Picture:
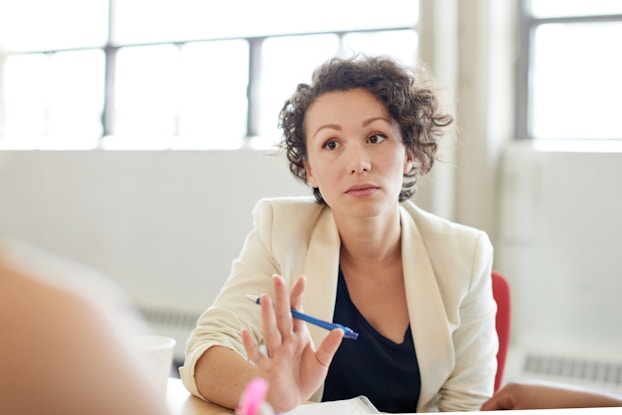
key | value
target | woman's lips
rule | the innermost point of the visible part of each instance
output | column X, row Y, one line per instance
column 362, row 190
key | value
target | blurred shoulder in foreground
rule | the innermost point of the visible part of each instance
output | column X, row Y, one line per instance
column 65, row 340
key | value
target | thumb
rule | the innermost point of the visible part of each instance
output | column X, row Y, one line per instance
column 328, row 347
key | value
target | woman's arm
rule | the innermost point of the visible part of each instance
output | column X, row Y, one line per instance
column 545, row 396
column 221, row 375
column 475, row 338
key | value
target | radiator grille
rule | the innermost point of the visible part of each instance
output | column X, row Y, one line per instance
column 170, row 322
column 170, row 318
column 577, row 369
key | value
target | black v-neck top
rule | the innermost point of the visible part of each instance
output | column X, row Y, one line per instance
column 374, row 366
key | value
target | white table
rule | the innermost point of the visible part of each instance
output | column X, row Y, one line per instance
column 181, row 402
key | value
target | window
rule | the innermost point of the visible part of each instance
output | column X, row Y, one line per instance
column 569, row 77
column 147, row 74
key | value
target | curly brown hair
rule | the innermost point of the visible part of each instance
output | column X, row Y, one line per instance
column 403, row 91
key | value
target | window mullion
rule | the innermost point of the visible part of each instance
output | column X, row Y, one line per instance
column 522, row 72
column 254, row 85
column 109, row 77
column 109, row 85
column 177, row 116
column 47, row 94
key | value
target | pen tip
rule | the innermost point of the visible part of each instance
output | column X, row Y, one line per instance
column 252, row 297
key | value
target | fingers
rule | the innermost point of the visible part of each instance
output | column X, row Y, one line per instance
column 271, row 332
column 489, row 405
column 279, row 327
column 295, row 299
column 282, row 307
column 252, row 349
column 500, row 401
column 277, row 321
column 328, row 348
column 298, row 289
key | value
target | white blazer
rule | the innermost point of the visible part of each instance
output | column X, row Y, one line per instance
column 447, row 270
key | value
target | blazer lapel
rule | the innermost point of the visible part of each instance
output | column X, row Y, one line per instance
column 426, row 309
column 322, row 265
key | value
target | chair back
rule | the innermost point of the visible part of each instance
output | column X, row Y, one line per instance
column 501, row 293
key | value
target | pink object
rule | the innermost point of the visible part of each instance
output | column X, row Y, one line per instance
column 501, row 292
column 252, row 397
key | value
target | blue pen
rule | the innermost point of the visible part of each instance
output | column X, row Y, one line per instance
column 348, row 333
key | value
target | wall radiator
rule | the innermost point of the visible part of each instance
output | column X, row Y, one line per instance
column 602, row 375
column 170, row 322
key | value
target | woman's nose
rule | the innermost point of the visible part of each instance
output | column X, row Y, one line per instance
column 359, row 161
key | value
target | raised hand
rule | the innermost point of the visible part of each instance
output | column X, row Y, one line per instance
column 293, row 367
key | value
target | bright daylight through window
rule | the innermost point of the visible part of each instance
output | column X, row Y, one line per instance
column 571, row 69
column 143, row 74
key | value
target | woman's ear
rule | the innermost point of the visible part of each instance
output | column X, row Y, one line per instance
column 310, row 179
column 409, row 161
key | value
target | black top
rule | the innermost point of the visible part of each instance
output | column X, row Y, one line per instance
column 374, row 366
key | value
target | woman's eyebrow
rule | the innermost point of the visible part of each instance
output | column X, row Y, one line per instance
column 338, row 127
column 370, row 120
column 330, row 126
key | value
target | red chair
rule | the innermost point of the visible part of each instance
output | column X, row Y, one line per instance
column 501, row 293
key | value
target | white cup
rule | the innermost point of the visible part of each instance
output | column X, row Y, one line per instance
column 155, row 355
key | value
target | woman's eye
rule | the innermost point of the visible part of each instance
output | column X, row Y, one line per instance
column 330, row 145
column 377, row 138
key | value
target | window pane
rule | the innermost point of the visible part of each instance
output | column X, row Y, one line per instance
column 25, row 85
column 146, row 92
column 140, row 21
column 576, row 81
column 213, row 80
column 25, row 80
column 288, row 61
column 52, row 24
column 400, row 44
column 54, row 100
column 556, row 8
column 77, row 95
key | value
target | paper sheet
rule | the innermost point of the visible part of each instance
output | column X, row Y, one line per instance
column 354, row 406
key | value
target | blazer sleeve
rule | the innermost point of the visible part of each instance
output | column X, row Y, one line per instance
column 277, row 244
column 475, row 339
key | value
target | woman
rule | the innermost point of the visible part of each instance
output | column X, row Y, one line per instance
column 414, row 286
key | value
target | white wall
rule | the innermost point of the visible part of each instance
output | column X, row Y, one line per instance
column 165, row 225
column 560, row 244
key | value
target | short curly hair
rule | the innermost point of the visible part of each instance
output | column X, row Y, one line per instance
column 403, row 91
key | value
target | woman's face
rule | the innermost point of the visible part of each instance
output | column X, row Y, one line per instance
column 355, row 153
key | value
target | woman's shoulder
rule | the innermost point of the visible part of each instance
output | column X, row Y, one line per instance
column 288, row 224
column 299, row 215
column 430, row 224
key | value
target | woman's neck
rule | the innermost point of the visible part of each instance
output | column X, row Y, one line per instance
column 370, row 240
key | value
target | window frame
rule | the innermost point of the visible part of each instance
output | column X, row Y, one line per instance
column 110, row 50
column 527, row 25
